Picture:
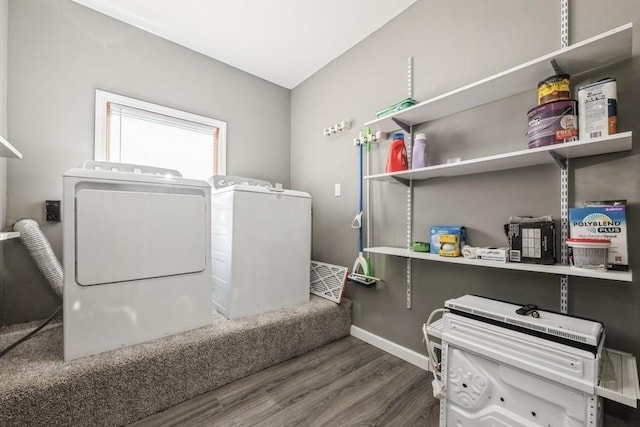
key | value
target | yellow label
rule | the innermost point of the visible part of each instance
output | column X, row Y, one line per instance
column 549, row 88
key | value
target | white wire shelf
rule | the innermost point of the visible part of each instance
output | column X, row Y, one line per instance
column 517, row 159
column 8, row 150
column 557, row 269
column 604, row 49
column 6, row 235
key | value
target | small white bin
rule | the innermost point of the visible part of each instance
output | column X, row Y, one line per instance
column 590, row 254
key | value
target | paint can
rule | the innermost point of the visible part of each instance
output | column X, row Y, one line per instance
column 552, row 123
column 598, row 109
column 554, row 88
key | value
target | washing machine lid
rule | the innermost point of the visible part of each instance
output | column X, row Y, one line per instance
column 132, row 173
column 221, row 181
column 261, row 190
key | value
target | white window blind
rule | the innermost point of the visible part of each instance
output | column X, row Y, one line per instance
column 138, row 132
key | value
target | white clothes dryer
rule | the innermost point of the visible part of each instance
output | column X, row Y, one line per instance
column 136, row 256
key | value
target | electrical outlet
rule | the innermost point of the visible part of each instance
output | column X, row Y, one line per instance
column 52, row 210
column 337, row 190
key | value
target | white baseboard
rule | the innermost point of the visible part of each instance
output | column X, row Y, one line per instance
column 415, row 358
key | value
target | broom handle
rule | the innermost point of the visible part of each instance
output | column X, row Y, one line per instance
column 360, row 243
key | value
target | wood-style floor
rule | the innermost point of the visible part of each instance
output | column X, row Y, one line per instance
column 345, row 383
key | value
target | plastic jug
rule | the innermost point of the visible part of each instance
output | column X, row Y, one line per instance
column 397, row 159
column 419, row 153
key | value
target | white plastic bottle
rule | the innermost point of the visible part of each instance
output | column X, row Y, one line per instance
column 419, row 154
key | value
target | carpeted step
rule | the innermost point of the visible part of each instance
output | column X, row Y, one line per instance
column 37, row 388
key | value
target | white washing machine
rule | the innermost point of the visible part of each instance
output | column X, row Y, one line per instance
column 261, row 247
column 136, row 256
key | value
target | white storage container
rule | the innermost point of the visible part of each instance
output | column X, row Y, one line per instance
column 590, row 254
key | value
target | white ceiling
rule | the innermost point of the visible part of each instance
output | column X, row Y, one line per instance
column 282, row 41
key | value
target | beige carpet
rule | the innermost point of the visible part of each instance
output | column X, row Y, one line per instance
column 37, row 388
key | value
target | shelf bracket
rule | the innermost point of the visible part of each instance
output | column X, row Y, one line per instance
column 564, row 294
column 560, row 160
column 405, row 127
column 564, row 173
column 409, row 239
column 556, row 67
column 403, row 181
column 409, row 184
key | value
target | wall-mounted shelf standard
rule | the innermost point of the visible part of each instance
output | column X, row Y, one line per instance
column 557, row 269
column 517, row 159
column 9, row 235
column 579, row 58
column 8, row 150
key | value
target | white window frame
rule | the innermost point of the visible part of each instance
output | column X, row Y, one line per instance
column 103, row 98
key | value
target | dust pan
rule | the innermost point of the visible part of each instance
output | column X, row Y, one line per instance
column 327, row 280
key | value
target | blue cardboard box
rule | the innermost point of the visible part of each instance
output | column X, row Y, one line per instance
column 437, row 230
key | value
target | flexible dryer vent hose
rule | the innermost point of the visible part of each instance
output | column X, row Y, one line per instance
column 40, row 250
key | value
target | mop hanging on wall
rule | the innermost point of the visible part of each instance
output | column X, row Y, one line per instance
column 361, row 272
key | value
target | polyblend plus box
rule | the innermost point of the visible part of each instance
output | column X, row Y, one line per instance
column 603, row 220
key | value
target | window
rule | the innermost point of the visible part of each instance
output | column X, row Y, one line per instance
column 133, row 131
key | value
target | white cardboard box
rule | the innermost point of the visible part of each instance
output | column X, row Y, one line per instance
column 493, row 254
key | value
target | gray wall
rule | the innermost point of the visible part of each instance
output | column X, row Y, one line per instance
column 4, row 9
column 454, row 43
column 59, row 53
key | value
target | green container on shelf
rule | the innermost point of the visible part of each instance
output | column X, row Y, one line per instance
column 420, row 246
column 405, row 103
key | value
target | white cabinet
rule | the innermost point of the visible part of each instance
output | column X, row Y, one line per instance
column 580, row 58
